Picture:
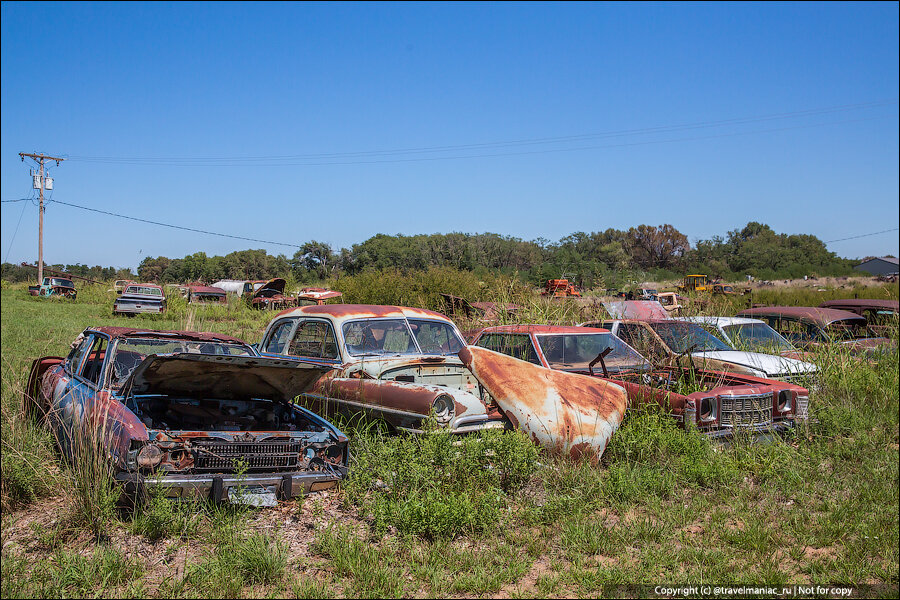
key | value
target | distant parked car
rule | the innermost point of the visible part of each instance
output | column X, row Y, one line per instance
column 140, row 298
column 201, row 294
column 718, row 404
column 808, row 327
column 54, row 286
column 880, row 314
column 120, row 285
column 267, row 294
column 196, row 415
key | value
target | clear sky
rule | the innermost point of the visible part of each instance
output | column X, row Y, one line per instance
column 334, row 122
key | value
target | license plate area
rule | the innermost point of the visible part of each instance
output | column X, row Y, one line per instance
column 261, row 496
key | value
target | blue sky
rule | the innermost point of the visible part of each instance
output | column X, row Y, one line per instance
column 334, row 122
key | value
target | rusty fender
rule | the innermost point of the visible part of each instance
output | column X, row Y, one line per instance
column 395, row 395
column 567, row 413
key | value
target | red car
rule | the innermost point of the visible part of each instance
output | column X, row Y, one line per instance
column 718, row 404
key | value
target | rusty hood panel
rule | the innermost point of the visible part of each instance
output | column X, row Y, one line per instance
column 223, row 377
column 567, row 413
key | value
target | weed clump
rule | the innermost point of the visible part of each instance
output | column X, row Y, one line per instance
column 438, row 485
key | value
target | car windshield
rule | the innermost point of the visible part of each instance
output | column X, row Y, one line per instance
column 576, row 351
column 436, row 337
column 61, row 282
column 757, row 337
column 680, row 337
column 130, row 352
column 378, row 337
column 143, row 290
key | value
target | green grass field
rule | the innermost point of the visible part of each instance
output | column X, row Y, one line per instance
column 491, row 516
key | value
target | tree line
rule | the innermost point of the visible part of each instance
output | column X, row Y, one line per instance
column 610, row 257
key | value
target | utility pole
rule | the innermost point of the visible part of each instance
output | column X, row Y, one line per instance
column 39, row 159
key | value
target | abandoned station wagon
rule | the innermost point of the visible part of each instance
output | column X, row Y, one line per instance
column 196, row 414
column 718, row 404
column 391, row 362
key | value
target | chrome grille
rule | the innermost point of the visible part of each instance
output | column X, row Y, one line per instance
column 745, row 411
column 215, row 456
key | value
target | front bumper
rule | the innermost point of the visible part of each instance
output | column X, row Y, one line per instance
column 215, row 487
column 762, row 431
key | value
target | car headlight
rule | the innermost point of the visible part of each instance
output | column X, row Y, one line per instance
column 785, row 401
column 443, row 409
column 149, row 456
column 709, row 409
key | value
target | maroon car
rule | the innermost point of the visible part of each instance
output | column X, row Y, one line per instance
column 718, row 404
column 808, row 327
column 880, row 314
column 197, row 415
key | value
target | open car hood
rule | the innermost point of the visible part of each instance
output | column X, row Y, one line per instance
column 223, row 377
column 271, row 287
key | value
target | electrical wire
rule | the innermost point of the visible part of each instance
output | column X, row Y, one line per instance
column 862, row 236
column 22, row 214
column 279, row 159
column 225, row 235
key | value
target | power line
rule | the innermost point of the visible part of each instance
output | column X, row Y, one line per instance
column 19, row 200
column 336, row 158
column 862, row 236
column 22, row 214
column 226, row 235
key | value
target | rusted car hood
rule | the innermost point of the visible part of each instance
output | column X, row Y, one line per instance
column 272, row 286
column 223, row 377
column 567, row 413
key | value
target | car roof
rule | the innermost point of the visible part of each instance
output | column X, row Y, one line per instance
column 348, row 312
column 543, row 329
column 893, row 305
column 126, row 332
column 820, row 316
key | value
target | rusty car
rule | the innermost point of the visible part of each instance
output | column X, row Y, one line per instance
column 810, row 327
column 393, row 363
column 194, row 415
column 204, row 294
column 315, row 295
column 718, row 404
column 139, row 298
column 881, row 315
column 54, row 286
column 647, row 327
column 267, row 294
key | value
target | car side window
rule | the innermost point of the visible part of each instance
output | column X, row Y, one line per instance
column 73, row 361
column 314, row 339
column 279, row 337
column 642, row 340
column 515, row 345
column 93, row 366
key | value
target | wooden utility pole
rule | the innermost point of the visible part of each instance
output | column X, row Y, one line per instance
column 39, row 159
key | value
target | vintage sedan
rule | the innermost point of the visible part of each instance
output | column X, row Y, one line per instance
column 198, row 415
column 719, row 404
column 139, row 298
column 392, row 363
column 810, row 327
